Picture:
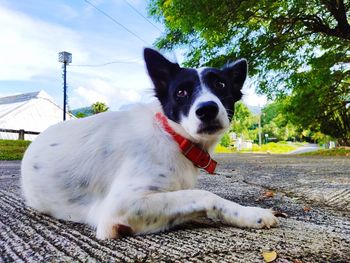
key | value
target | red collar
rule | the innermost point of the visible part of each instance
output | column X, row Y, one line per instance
column 199, row 157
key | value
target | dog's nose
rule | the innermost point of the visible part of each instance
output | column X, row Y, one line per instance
column 207, row 111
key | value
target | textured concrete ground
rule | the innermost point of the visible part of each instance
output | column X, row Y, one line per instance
column 313, row 191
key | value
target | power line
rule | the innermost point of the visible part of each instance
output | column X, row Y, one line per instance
column 105, row 64
column 140, row 14
column 116, row 22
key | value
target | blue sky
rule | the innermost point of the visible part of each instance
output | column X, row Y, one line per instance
column 32, row 32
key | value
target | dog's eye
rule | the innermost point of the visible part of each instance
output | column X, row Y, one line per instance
column 220, row 85
column 182, row 93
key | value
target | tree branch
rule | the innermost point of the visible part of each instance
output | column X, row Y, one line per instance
column 315, row 24
column 338, row 11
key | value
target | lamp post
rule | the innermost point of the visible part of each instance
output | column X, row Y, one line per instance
column 65, row 58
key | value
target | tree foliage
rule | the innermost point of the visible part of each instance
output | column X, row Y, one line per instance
column 99, row 107
column 276, row 123
column 322, row 106
column 297, row 48
column 244, row 123
column 225, row 140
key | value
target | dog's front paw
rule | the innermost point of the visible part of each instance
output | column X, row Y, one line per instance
column 256, row 217
column 251, row 217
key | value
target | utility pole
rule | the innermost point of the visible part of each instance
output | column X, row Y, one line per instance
column 260, row 129
column 65, row 58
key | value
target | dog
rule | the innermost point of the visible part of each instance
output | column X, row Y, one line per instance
column 133, row 172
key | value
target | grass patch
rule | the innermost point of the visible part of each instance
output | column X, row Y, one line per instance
column 329, row 152
column 271, row 147
column 221, row 149
column 12, row 149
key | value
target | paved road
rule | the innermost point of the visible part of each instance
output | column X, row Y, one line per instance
column 311, row 147
column 314, row 193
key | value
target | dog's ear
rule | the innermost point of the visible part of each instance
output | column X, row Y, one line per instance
column 237, row 73
column 160, row 70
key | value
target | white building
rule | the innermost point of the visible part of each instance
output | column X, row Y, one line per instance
column 34, row 111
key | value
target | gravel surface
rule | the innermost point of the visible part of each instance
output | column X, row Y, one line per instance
column 314, row 192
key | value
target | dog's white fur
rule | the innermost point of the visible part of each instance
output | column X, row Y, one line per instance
column 122, row 169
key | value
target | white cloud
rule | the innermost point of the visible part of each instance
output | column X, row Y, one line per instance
column 29, row 51
column 29, row 47
column 99, row 90
column 91, row 95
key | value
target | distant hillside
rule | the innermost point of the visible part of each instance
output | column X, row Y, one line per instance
column 85, row 110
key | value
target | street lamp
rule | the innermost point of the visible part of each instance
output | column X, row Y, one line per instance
column 266, row 138
column 65, row 58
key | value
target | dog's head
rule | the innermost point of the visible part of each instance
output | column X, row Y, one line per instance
column 200, row 100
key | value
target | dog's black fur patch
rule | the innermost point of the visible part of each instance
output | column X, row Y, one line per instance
column 226, row 83
column 177, row 88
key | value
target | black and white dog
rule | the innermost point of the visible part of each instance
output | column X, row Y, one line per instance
column 132, row 172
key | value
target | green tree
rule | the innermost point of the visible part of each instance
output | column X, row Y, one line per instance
column 276, row 122
column 271, row 111
column 295, row 47
column 99, row 107
column 322, row 106
column 225, row 140
column 244, row 123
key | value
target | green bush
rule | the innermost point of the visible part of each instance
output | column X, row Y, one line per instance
column 221, row 149
column 225, row 140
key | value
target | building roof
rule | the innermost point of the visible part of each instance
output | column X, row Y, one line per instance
column 11, row 103
column 20, row 97
column 34, row 111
